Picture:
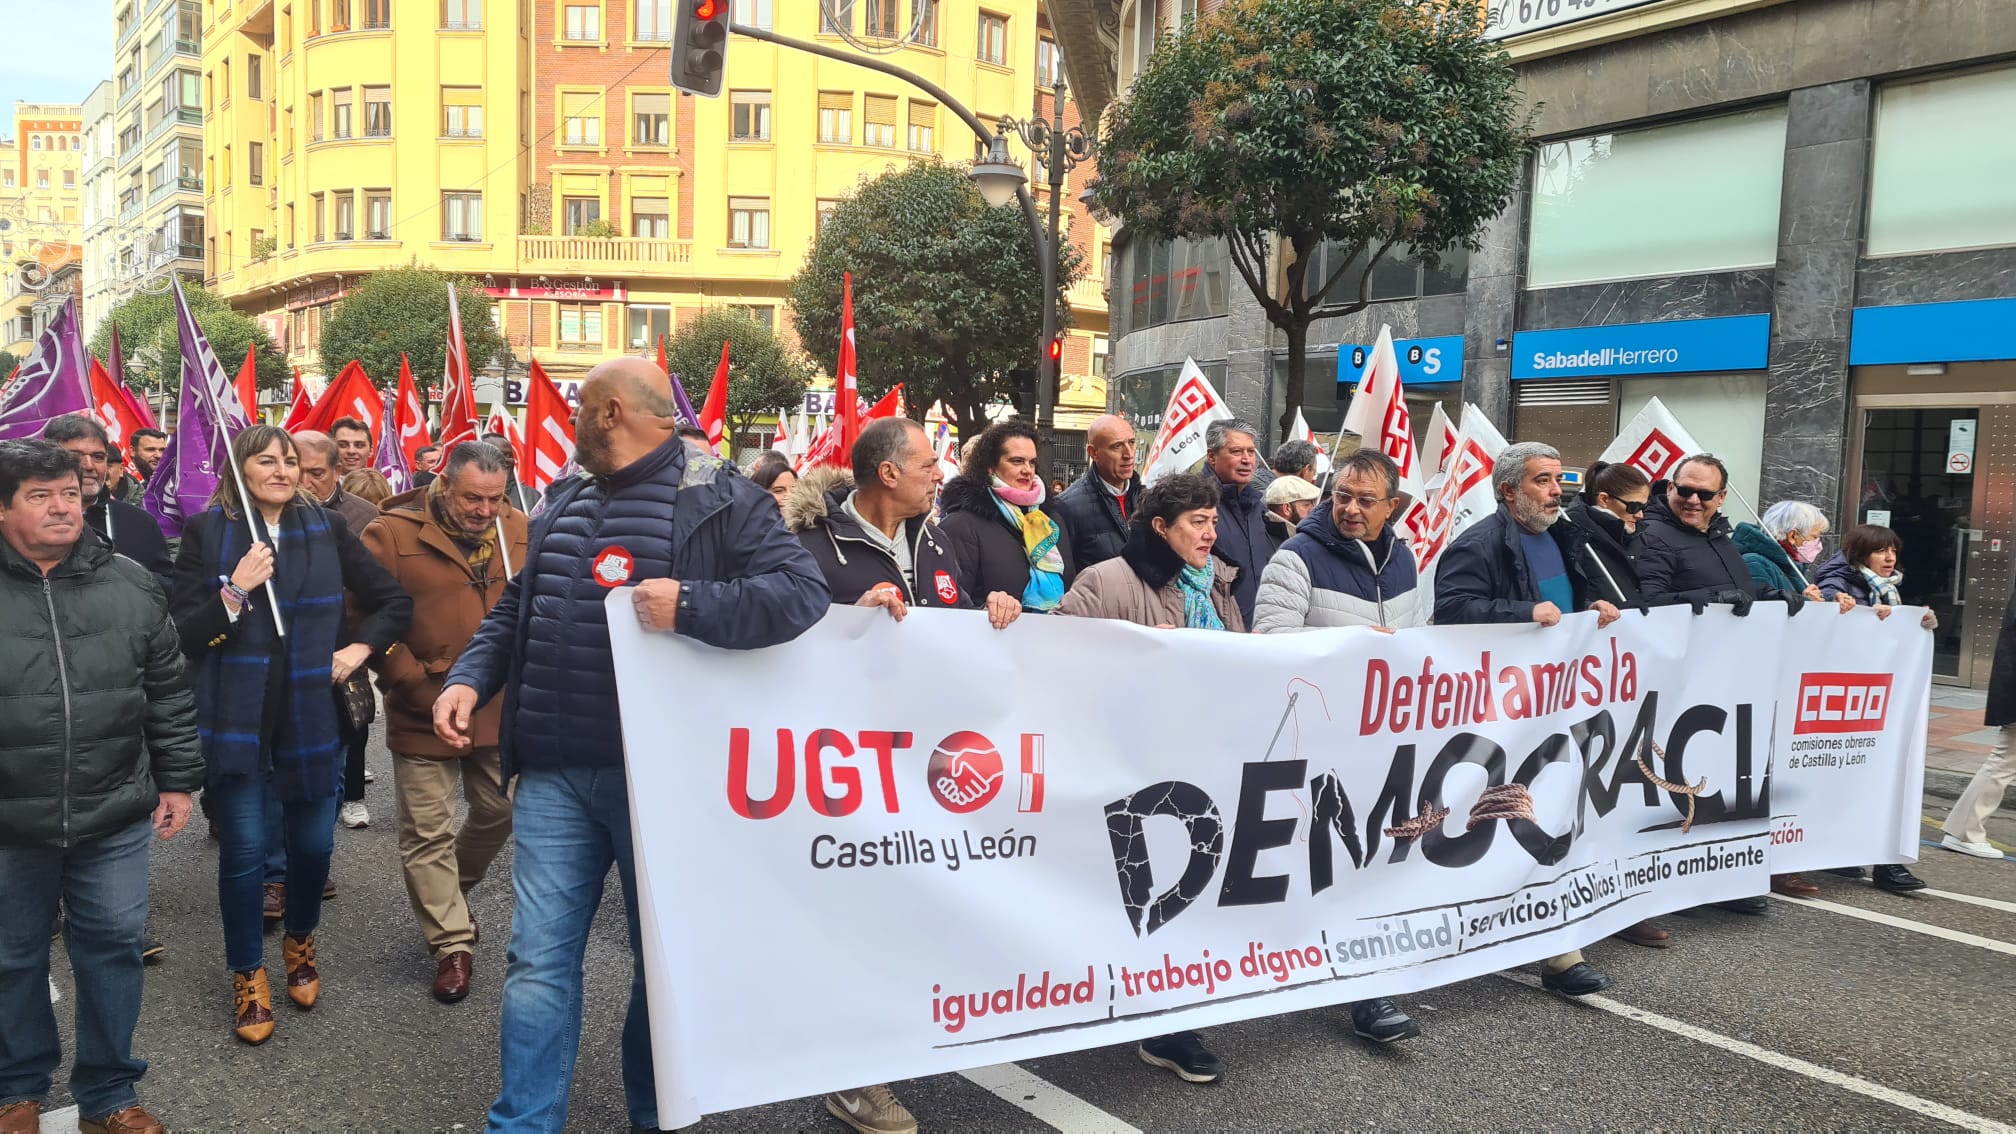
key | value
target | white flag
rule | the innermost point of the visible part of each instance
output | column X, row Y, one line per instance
column 1179, row 444
column 1300, row 431
column 1464, row 496
column 1378, row 413
column 801, row 438
column 1436, row 446
column 1653, row 443
column 948, row 451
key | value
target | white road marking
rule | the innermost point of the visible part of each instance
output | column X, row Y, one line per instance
column 60, row 1121
column 1986, row 903
column 1905, row 923
column 1047, row 1101
column 1792, row 1063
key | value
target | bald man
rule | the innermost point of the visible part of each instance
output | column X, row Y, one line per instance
column 703, row 553
column 1094, row 511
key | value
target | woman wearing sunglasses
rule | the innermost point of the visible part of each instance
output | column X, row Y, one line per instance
column 1613, row 498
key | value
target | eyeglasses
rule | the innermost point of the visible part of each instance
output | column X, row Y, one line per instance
column 1365, row 503
column 1702, row 494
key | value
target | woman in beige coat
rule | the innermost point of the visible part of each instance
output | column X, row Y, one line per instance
column 1166, row 577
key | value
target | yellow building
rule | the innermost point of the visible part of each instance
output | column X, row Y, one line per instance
column 41, row 203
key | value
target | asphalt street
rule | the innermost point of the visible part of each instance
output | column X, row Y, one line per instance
column 1860, row 1010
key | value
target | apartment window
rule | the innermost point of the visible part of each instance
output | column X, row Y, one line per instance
column 315, row 116
column 377, row 112
column 651, row 217
column 254, row 69
column 377, row 14
column 1173, row 280
column 648, row 321
column 70, row 178
column 765, row 314
column 881, row 19
column 286, row 32
column 461, row 112
column 1400, row 274
column 1593, row 197
column 339, row 15
column 836, row 117
column 1049, row 63
column 753, row 13
column 6, row 178
column 315, row 207
column 583, row 23
column 225, row 82
column 879, row 116
column 224, row 184
column 339, row 112
column 993, row 47
column 923, row 137
column 461, row 216
column 751, row 115
column 748, row 222
column 181, row 92
column 343, row 208
column 314, row 18
column 581, row 118
column 651, row 119
column 924, row 15
column 580, row 325
column 378, row 214
column 836, row 16
column 189, row 163
column 289, row 233
column 651, row 20
column 981, row 148
column 825, row 207
column 461, row 15
column 1971, row 201
column 255, row 160
column 580, row 212
column 188, row 30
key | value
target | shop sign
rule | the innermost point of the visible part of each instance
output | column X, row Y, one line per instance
column 1676, row 346
column 1506, row 18
column 1974, row 330
column 1423, row 362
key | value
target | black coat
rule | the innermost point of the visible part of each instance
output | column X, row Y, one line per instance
column 1243, row 540
column 987, row 548
column 1678, row 563
column 854, row 564
column 2002, row 675
column 1092, row 521
column 1611, row 549
column 135, row 534
column 1482, row 576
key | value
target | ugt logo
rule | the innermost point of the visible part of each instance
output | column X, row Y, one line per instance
column 964, row 772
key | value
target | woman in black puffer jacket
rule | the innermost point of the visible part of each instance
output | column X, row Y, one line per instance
column 1613, row 498
column 1011, row 554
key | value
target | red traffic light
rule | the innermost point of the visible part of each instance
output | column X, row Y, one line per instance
column 706, row 9
column 1057, row 348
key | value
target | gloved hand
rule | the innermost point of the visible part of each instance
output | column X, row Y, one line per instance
column 1794, row 602
column 1698, row 601
column 1739, row 601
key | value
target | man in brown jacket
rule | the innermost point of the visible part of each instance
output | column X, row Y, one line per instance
column 442, row 543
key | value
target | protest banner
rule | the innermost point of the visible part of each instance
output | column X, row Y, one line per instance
column 1235, row 826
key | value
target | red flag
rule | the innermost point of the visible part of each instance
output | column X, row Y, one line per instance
column 847, row 402
column 458, row 397
column 409, row 415
column 117, row 371
column 826, row 449
column 350, row 395
column 549, row 435
column 661, row 355
column 248, row 385
column 113, row 406
column 780, row 440
column 714, row 415
column 300, row 406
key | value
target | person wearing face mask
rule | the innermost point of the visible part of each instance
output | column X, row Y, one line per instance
column 1607, row 511
column 1008, row 549
column 1779, row 552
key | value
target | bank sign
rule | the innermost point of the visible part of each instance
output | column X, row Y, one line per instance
column 1505, row 18
column 1423, row 362
column 1676, row 346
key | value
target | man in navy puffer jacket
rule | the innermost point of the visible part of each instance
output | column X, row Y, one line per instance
column 706, row 556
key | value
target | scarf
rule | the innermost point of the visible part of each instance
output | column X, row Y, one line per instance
column 1045, row 590
column 475, row 547
column 1883, row 589
column 1195, row 583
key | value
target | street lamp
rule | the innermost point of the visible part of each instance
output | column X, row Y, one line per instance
column 998, row 179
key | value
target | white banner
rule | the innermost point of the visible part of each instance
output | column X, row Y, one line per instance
column 984, row 869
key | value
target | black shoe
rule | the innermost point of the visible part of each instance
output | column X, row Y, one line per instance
column 1751, row 906
column 1184, row 1054
column 1578, row 979
column 151, row 951
column 1897, row 879
column 1382, row 1021
column 1848, row 871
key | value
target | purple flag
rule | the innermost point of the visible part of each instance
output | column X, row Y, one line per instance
column 208, row 417
column 54, row 381
column 391, row 459
column 679, row 400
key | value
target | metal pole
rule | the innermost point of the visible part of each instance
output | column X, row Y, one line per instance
column 1049, row 372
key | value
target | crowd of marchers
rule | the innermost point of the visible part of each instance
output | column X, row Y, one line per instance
column 138, row 678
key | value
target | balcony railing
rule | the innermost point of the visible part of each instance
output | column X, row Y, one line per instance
column 603, row 250
column 129, row 210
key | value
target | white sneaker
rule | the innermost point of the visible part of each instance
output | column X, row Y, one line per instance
column 370, row 777
column 353, row 815
column 1978, row 850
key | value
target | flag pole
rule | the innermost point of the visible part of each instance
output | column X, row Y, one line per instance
column 252, row 518
column 504, row 548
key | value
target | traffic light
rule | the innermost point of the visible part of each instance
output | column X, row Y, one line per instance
column 700, row 46
column 1056, row 350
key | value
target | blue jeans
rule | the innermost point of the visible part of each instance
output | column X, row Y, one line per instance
column 570, row 826
column 308, row 832
column 102, row 884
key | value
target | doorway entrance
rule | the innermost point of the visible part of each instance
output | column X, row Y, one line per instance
column 1936, row 468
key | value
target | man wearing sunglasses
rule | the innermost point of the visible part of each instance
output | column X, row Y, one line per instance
column 1686, row 553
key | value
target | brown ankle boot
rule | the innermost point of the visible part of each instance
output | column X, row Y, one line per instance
column 24, row 1117
column 254, row 1006
column 132, row 1120
column 297, row 956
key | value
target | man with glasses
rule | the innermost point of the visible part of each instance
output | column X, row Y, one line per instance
column 1344, row 567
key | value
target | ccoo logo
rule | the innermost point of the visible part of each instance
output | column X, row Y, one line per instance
column 1842, row 702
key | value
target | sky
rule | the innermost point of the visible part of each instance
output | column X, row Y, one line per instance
column 52, row 52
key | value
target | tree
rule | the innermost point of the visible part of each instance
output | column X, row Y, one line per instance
column 1367, row 123
column 947, row 291
column 152, row 344
column 764, row 373
column 405, row 310
column 7, row 364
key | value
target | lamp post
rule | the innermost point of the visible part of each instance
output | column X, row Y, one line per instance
column 1060, row 150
